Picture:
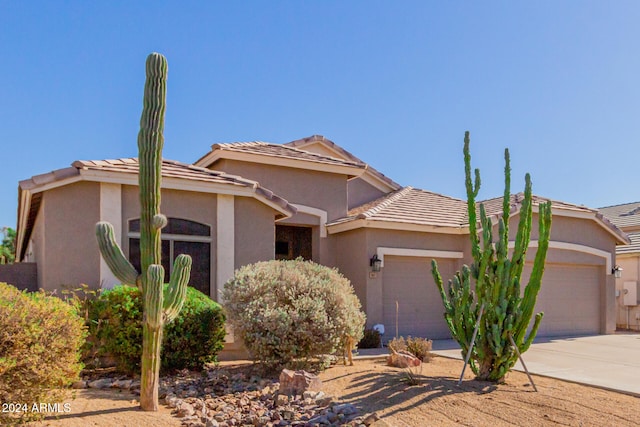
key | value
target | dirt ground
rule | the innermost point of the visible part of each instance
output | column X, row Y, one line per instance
column 436, row 400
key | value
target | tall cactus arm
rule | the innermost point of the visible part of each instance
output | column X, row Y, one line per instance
column 177, row 290
column 524, row 231
column 150, row 143
column 113, row 256
column 472, row 191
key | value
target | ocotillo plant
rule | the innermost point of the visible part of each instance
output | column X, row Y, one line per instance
column 507, row 314
column 159, row 306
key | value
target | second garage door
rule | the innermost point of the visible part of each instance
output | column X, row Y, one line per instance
column 570, row 299
column 420, row 312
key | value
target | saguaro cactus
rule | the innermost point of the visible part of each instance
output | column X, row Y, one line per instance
column 506, row 313
column 159, row 305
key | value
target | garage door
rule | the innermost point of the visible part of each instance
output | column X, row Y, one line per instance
column 408, row 281
column 569, row 298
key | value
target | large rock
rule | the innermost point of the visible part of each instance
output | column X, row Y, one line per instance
column 403, row 359
column 297, row 382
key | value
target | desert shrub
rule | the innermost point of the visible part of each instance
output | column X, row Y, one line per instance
column 288, row 311
column 419, row 347
column 194, row 338
column 40, row 340
column 370, row 339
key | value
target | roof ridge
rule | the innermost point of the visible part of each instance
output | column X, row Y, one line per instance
column 620, row 205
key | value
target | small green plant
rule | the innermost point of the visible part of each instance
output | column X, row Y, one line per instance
column 40, row 340
column 370, row 339
column 193, row 339
column 292, row 311
column 419, row 347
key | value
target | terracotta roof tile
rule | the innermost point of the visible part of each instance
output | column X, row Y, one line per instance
column 494, row 206
column 170, row 169
column 284, row 151
column 413, row 206
column 634, row 246
column 624, row 215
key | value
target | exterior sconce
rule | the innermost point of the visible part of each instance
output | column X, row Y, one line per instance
column 375, row 263
column 617, row 271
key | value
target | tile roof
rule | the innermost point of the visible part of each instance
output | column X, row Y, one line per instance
column 494, row 206
column 301, row 143
column 284, row 151
column 631, row 248
column 170, row 169
column 624, row 215
column 412, row 206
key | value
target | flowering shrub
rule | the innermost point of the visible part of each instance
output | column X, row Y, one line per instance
column 287, row 311
column 40, row 340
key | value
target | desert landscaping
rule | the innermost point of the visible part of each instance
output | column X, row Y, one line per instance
column 372, row 387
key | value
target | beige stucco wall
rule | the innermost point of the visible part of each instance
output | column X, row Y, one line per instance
column 628, row 316
column 361, row 192
column 352, row 260
column 375, row 238
column 254, row 232
column 318, row 190
column 326, row 191
column 65, row 243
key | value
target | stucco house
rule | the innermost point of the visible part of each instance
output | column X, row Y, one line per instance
column 245, row 202
column 627, row 217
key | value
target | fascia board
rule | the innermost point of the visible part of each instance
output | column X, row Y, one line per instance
column 390, row 225
column 280, row 161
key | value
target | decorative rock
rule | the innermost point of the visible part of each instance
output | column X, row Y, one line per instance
column 212, row 423
column 403, row 359
column 123, row 384
column 101, row 383
column 297, row 382
column 79, row 384
column 184, row 409
column 370, row 419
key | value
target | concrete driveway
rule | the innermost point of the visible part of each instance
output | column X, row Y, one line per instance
column 608, row 361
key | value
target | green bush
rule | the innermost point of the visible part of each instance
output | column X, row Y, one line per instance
column 40, row 340
column 288, row 311
column 194, row 338
column 370, row 339
column 419, row 347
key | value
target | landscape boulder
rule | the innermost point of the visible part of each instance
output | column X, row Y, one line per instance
column 403, row 359
column 295, row 383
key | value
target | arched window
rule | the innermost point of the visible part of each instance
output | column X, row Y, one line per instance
column 180, row 236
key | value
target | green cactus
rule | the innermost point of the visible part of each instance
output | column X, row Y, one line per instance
column 497, row 281
column 158, row 307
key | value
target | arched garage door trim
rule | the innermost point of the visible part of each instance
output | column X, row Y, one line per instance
column 576, row 248
column 424, row 253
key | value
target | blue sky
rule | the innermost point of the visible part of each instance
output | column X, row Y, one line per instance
column 395, row 83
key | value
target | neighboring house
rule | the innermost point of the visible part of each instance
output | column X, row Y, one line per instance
column 310, row 198
column 627, row 218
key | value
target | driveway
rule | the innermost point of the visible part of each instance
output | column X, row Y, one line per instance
column 607, row 361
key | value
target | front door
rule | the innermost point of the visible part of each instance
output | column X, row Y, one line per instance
column 293, row 242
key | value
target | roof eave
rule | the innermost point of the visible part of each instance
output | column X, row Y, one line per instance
column 356, row 223
column 221, row 154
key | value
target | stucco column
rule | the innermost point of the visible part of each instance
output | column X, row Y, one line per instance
column 110, row 211
column 225, row 243
column 608, row 305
